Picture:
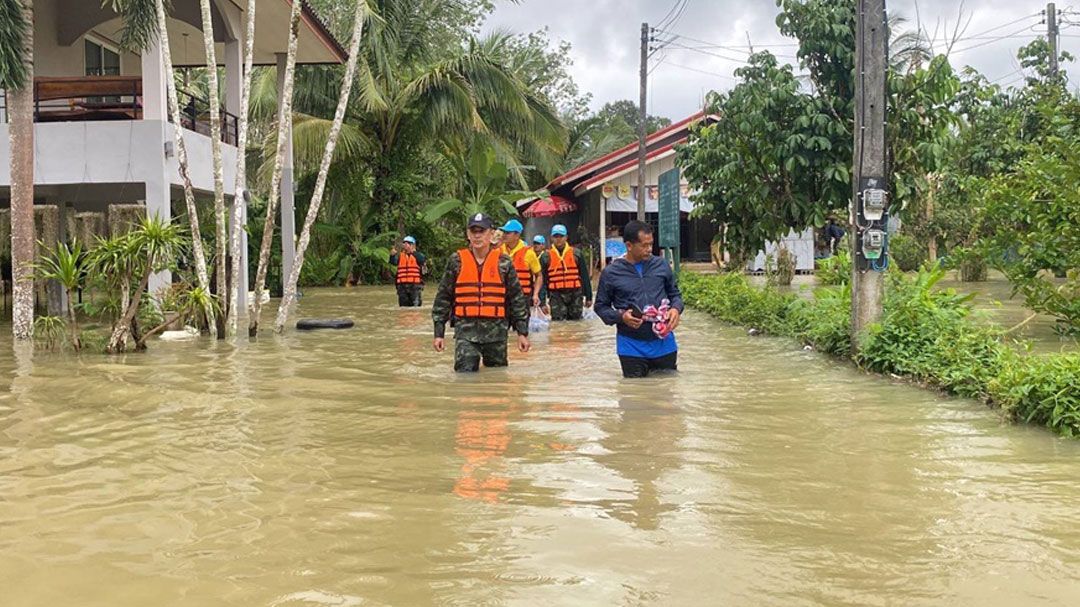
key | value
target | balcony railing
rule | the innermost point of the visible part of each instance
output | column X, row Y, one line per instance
column 98, row 98
column 195, row 116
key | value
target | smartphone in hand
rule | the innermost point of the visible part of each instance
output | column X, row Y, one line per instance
column 636, row 312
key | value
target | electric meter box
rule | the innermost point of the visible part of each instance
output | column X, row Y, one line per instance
column 873, row 244
column 874, row 201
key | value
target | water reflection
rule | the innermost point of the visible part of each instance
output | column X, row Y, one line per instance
column 352, row 467
column 641, row 447
column 481, row 439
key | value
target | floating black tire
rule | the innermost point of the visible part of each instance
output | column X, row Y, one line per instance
column 309, row 324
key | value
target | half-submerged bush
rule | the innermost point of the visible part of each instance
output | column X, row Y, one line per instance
column 835, row 270
column 928, row 334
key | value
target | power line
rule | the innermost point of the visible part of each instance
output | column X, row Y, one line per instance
column 982, row 44
column 1002, row 26
column 669, row 13
column 706, row 72
column 678, row 15
column 704, row 52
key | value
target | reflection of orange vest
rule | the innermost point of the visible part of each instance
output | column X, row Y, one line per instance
column 479, row 292
column 563, row 274
column 523, row 272
column 408, row 271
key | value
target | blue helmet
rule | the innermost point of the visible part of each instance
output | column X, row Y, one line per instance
column 513, row 226
column 558, row 230
column 539, row 239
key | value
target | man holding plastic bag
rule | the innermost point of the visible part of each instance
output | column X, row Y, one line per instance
column 638, row 294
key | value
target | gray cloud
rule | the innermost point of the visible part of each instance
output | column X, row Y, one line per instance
column 605, row 37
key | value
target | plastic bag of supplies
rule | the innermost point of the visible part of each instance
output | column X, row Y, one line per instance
column 538, row 321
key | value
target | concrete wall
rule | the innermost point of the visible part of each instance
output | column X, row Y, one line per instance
column 117, row 152
column 53, row 59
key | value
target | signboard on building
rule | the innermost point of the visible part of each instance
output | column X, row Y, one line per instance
column 669, row 209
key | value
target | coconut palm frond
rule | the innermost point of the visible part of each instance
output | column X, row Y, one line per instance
column 263, row 102
column 140, row 26
column 309, row 141
column 13, row 29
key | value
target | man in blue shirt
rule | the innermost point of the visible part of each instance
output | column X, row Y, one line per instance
column 628, row 286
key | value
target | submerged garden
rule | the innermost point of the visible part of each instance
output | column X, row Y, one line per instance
column 440, row 120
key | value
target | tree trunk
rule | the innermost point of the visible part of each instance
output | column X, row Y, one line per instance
column 221, row 232
column 931, row 244
column 289, row 293
column 122, row 329
column 181, row 151
column 21, row 108
column 237, row 236
column 284, row 114
column 76, row 343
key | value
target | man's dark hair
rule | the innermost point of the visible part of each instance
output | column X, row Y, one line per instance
column 634, row 230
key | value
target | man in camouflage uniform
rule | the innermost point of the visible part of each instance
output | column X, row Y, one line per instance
column 483, row 334
column 566, row 288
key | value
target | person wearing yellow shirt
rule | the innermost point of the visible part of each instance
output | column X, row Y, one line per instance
column 526, row 263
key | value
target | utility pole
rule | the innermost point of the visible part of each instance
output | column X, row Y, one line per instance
column 642, row 118
column 869, row 201
column 1052, row 37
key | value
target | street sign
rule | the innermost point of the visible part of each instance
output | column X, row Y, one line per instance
column 669, row 209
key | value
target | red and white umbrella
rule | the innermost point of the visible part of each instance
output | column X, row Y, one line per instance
column 550, row 207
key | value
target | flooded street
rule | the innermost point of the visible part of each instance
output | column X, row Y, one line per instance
column 355, row 468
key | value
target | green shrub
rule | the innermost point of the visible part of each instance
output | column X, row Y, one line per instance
column 926, row 333
column 835, row 270
column 1042, row 390
column 906, row 253
column 823, row 322
column 930, row 335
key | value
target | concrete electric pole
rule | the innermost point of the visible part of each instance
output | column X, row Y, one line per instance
column 642, row 117
column 870, row 198
column 1052, row 37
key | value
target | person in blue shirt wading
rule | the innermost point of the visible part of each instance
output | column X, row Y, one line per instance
column 627, row 287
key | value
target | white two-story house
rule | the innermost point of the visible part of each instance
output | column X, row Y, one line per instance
column 103, row 136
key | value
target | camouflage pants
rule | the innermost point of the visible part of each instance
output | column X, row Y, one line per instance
column 408, row 296
column 467, row 355
column 565, row 305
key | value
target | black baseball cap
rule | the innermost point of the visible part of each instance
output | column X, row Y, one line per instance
column 480, row 220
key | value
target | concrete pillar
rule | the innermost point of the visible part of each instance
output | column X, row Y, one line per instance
column 159, row 204
column 288, row 212
column 234, row 81
column 154, row 99
column 603, row 232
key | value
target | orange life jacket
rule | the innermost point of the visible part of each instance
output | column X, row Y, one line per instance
column 408, row 271
column 563, row 273
column 523, row 272
column 479, row 292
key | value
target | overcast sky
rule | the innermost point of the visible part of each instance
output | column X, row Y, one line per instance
column 605, row 35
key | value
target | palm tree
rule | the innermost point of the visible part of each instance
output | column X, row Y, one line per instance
column 137, row 255
column 221, row 236
column 284, row 115
column 67, row 266
column 237, row 236
column 289, row 292
column 16, row 77
column 415, row 96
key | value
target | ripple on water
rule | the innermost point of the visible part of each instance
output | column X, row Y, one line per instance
column 355, row 468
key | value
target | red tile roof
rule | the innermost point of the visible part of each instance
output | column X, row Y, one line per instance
column 606, row 162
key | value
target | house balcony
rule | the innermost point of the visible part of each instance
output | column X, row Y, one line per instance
column 113, row 98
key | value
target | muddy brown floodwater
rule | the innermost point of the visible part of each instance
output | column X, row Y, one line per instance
column 354, row 468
